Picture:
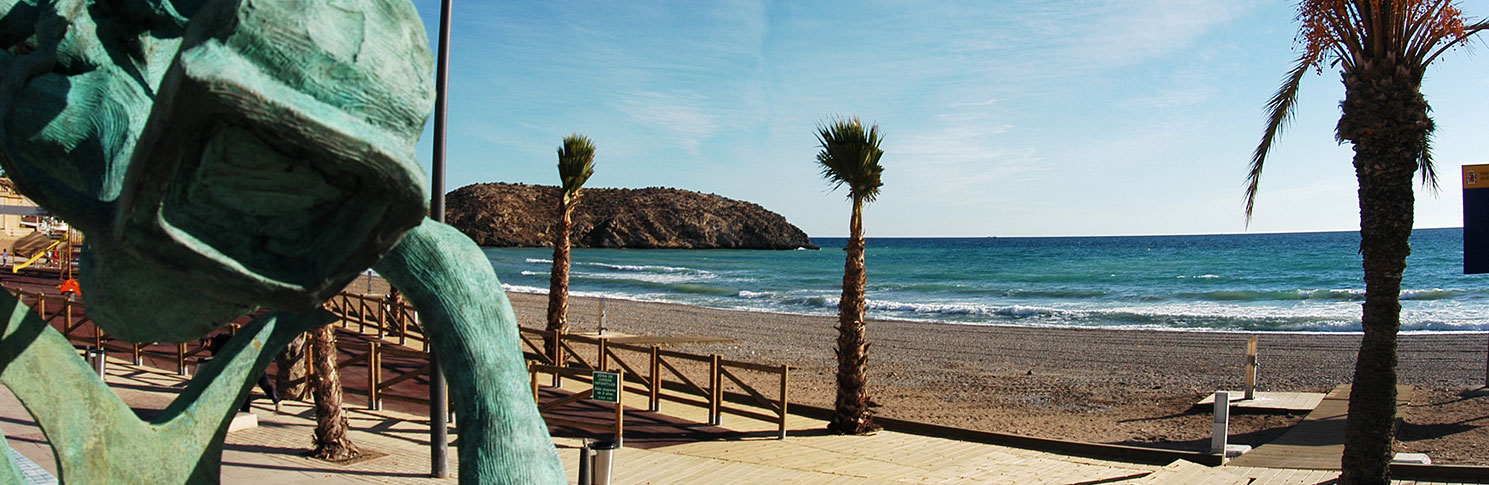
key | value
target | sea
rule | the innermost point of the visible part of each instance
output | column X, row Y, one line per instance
column 1296, row 282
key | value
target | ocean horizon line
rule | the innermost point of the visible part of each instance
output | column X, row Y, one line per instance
column 1270, row 233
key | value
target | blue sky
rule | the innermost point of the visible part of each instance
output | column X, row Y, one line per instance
column 1000, row 119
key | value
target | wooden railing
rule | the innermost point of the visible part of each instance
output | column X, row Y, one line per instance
column 617, row 426
column 69, row 316
column 651, row 367
column 663, row 372
column 390, row 318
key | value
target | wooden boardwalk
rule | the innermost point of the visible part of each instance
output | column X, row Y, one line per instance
column 676, row 446
column 1316, row 442
column 1270, row 401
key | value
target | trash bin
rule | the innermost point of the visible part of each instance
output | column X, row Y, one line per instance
column 98, row 359
column 604, row 459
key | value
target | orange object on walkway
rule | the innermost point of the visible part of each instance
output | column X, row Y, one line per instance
column 70, row 286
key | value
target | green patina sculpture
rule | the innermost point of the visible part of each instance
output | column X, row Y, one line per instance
column 225, row 156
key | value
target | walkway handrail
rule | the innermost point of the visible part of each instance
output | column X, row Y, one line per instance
column 655, row 379
column 617, row 427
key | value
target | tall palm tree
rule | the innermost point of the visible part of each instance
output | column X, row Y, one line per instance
column 850, row 156
column 331, row 439
column 576, row 162
column 1382, row 48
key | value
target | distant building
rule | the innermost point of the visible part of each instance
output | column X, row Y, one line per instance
column 18, row 215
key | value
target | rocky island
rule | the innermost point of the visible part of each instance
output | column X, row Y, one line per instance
column 521, row 215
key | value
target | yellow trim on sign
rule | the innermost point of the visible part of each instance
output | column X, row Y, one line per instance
column 1475, row 176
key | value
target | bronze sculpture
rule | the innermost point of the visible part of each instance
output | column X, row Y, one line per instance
column 225, row 156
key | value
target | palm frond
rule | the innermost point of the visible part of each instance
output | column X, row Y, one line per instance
column 850, row 156
column 1429, row 171
column 1280, row 112
column 1468, row 32
column 576, row 163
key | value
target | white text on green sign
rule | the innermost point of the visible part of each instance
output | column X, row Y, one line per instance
column 607, row 386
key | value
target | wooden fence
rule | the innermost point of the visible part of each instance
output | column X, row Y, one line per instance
column 383, row 321
column 662, row 371
column 69, row 317
column 617, row 425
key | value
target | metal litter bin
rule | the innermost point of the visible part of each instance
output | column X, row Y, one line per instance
column 98, row 360
column 596, row 459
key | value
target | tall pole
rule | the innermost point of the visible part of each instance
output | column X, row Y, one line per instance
column 439, row 441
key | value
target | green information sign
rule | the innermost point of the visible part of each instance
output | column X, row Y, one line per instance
column 607, row 386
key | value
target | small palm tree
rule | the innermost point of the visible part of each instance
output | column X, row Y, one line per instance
column 1382, row 48
column 290, row 377
column 332, row 441
column 850, row 156
column 576, row 162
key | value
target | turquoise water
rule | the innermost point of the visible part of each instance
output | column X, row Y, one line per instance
column 1262, row 282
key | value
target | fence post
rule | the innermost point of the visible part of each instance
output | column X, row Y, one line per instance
column 603, row 361
column 382, row 316
column 135, row 353
column 655, row 403
column 1251, row 368
column 402, row 325
column 1222, row 424
column 556, row 356
column 785, row 371
column 532, row 374
column 361, row 314
column 374, row 377
column 620, row 415
column 714, row 394
column 181, row 360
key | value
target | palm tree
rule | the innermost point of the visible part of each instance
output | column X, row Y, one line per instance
column 850, row 157
column 576, row 162
column 331, row 439
column 1383, row 48
column 289, row 376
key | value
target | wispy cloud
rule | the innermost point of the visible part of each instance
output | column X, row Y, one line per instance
column 959, row 159
column 680, row 114
column 975, row 104
column 1164, row 99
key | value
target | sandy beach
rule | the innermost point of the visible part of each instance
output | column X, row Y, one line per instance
column 1097, row 385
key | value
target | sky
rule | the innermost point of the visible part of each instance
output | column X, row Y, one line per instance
column 1051, row 118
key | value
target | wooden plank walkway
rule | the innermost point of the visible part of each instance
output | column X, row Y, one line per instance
column 744, row 450
column 1270, row 401
column 886, row 457
column 1316, row 442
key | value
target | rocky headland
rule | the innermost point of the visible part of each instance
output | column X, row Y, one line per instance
column 521, row 215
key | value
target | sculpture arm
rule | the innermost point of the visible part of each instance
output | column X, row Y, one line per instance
column 503, row 439
column 95, row 437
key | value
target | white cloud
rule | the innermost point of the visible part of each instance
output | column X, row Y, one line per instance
column 679, row 113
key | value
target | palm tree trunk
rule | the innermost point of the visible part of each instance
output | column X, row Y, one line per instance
column 1385, row 116
column 331, row 440
column 851, row 413
column 558, row 279
column 289, row 375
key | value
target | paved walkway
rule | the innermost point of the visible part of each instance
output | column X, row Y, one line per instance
column 1316, row 442
column 271, row 453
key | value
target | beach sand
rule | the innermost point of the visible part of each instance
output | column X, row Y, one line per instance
column 1095, row 385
